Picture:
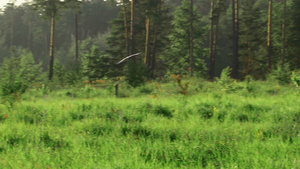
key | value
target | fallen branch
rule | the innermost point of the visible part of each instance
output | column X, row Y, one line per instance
column 128, row 57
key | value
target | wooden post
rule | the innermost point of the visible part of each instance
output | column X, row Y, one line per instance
column 116, row 89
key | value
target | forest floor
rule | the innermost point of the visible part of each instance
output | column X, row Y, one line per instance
column 154, row 126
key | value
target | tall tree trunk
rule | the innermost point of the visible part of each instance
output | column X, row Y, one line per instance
column 212, row 61
column 270, row 36
column 147, row 47
column 29, row 36
column 235, row 14
column 132, row 50
column 153, row 58
column 216, row 37
column 12, row 29
column 126, row 29
column 249, row 57
column 76, row 42
column 52, row 48
column 46, row 46
column 216, row 34
column 284, row 32
column 192, row 38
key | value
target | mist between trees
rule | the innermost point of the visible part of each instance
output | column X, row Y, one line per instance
column 73, row 40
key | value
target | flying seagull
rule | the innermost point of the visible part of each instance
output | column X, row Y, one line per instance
column 128, row 57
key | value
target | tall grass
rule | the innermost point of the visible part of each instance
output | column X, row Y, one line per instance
column 154, row 126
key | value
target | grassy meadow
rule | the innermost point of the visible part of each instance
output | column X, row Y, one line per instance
column 240, row 125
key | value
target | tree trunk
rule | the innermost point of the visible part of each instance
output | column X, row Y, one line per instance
column 132, row 51
column 76, row 42
column 284, row 32
column 147, row 47
column 52, row 48
column 212, row 61
column 270, row 36
column 126, row 29
column 192, row 38
column 248, row 69
column 153, row 58
column 216, row 36
column 12, row 29
column 235, row 14
column 29, row 36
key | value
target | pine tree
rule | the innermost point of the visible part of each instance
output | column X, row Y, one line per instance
column 75, row 5
column 178, row 56
column 251, row 39
column 95, row 65
column 157, row 16
column 49, row 10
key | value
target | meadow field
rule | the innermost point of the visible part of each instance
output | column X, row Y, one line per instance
column 241, row 125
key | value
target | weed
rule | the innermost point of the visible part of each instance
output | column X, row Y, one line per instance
column 206, row 111
column 182, row 86
column 163, row 110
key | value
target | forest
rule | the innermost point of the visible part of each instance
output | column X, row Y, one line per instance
column 199, row 39
column 150, row 84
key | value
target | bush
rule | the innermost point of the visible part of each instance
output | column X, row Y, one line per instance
column 249, row 85
column 295, row 77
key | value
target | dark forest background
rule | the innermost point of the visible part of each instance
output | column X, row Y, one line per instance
column 187, row 37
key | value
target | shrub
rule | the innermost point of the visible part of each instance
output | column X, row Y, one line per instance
column 136, row 74
column 282, row 74
column 295, row 77
column 249, row 85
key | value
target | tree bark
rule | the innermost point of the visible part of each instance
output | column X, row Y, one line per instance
column 270, row 36
column 12, row 28
column 29, row 36
column 126, row 29
column 76, row 42
column 235, row 14
column 192, row 38
column 153, row 57
column 212, row 60
column 284, row 32
column 132, row 50
column 216, row 36
column 147, row 47
column 52, row 48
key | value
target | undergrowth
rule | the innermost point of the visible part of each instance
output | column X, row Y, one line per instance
column 256, row 125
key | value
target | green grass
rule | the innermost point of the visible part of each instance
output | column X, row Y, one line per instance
column 154, row 126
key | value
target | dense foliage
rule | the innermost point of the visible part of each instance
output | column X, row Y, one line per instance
column 166, row 38
column 130, row 88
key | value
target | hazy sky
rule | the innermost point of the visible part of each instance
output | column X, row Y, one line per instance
column 17, row 2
